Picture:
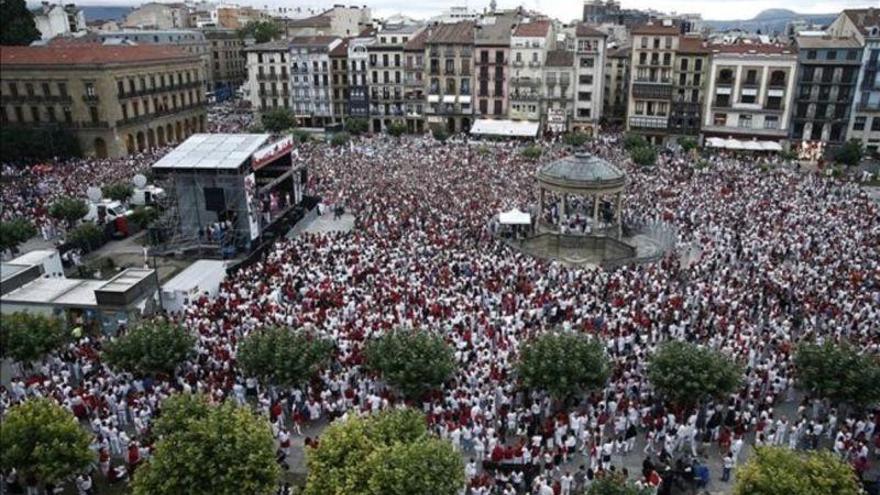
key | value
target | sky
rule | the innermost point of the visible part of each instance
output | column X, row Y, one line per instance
column 564, row 10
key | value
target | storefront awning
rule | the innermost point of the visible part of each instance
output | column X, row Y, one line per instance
column 748, row 145
column 505, row 128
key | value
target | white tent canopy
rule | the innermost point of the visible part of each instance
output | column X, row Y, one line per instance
column 749, row 145
column 515, row 217
column 505, row 128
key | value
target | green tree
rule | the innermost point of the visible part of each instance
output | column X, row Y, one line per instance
column 69, row 210
column 278, row 120
column 440, row 134
column 356, row 126
column 849, row 153
column 118, row 191
column 838, row 372
column 260, row 31
column 227, row 450
column 301, row 135
column 686, row 373
column 396, row 128
column 616, row 485
column 781, row 471
column 87, row 236
column 281, row 356
column 143, row 216
column 150, row 348
column 17, row 26
column 340, row 139
column 563, row 364
column 687, row 144
column 387, row 453
column 576, row 139
column 42, row 440
column 26, row 337
column 532, row 152
column 633, row 141
column 644, row 155
column 414, row 362
column 14, row 233
column 179, row 412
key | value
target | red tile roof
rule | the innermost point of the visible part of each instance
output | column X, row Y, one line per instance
column 559, row 58
column 318, row 41
column 533, row 29
column 460, row 33
column 864, row 18
column 318, row 21
column 341, row 49
column 417, row 42
column 756, row 48
column 583, row 30
column 690, row 44
column 655, row 29
column 68, row 54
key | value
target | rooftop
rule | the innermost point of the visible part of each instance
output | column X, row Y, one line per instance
column 754, row 49
column 864, row 19
column 213, row 151
column 341, row 49
column 585, row 30
column 692, row 44
column 620, row 52
column 318, row 21
column 655, row 29
column 560, row 58
column 582, row 170
column 494, row 30
column 417, row 42
column 72, row 55
column 313, row 41
column 826, row 42
column 460, row 33
column 535, row 29
column 270, row 46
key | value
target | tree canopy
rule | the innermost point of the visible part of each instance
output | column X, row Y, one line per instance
column 87, row 236
column 26, row 337
column 615, row 485
column 390, row 453
column 356, row 126
column 68, row 209
column 340, row 138
column 261, row 31
column 576, row 139
column 17, row 26
column 119, row 191
column 686, row 373
column 563, row 364
column 849, row 153
column 43, row 440
column 278, row 119
column 282, row 356
column 226, row 450
column 37, row 143
column 412, row 361
column 150, row 348
column 644, row 155
column 838, row 372
column 14, row 233
column 396, row 128
column 781, row 471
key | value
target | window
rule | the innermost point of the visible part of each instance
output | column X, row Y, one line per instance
column 19, row 114
column 771, row 122
column 585, row 96
column 498, row 109
column 875, row 124
column 719, row 119
column 585, row 79
column 29, row 89
column 852, row 54
column 684, row 64
column 831, row 55
column 35, row 114
column 120, row 87
column 747, row 98
column 93, row 113
column 745, row 121
column 13, row 89
column 587, row 62
column 46, row 90
column 68, row 116
column 698, row 64
column 811, row 55
column 859, row 123
column 50, row 112
column 774, row 102
column 643, row 58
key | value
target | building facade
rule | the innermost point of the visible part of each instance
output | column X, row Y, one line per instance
column 340, row 21
column 310, row 89
column 864, row 123
column 449, row 52
column 688, row 82
column 386, row 82
column 358, row 77
column 559, row 102
column 269, row 78
column 339, row 94
column 414, row 82
column 650, row 90
column 616, row 85
column 228, row 61
column 589, row 66
column 117, row 100
column 492, row 65
column 190, row 40
column 528, row 51
column 58, row 20
column 750, row 92
column 828, row 69
column 158, row 16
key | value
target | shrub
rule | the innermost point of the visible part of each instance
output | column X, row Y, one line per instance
column 356, row 126
column 396, row 129
column 633, row 141
column 532, row 152
column 87, row 236
column 644, row 155
column 301, row 136
column 340, row 139
column 849, row 153
column 440, row 134
column 575, row 139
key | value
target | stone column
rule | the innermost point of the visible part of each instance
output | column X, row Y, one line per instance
column 595, row 213
column 561, row 211
column 617, row 214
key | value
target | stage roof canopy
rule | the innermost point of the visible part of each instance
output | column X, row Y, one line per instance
column 212, row 152
column 505, row 128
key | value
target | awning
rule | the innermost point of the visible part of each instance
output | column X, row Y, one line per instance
column 775, row 92
column 505, row 128
column 749, row 145
column 433, row 98
column 464, row 99
column 515, row 217
column 722, row 91
column 448, row 98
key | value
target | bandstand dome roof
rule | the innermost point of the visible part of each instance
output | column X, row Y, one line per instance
column 582, row 171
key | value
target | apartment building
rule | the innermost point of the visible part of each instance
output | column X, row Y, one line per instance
column 828, row 69
column 559, row 101
column 310, row 89
column 339, row 92
column 616, row 85
column 54, row 20
column 358, row 76
column 864, row 121
column 651, row 87
column 449, row 52
column 117, row 100
column 339, row 20
column 589, row 64
column 189, row 40
column 228, row 61
column 154, row 15
column 528, row 50
column 268, row 70
column 750, row 92
column 387, row 75
column 688, row 80
column 414, row 82
column 491, row 64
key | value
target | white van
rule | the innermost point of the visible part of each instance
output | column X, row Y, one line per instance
column 105, row 211
column 147, row 195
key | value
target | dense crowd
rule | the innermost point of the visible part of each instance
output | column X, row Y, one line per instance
column 782, row 256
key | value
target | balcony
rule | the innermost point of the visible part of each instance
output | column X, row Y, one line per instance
column 777, row 84
column 648, row 122
column 267, row 77
column 515, row 96
column 518, row 63
column 868, row 107
column 449, row 71
column 159, row 89
column 652, row 90
column 90, row 98
column 100, row 124
column 534, row 64
column 525, row 81
column 724, row 82
column 37, row 98
column 721, row 103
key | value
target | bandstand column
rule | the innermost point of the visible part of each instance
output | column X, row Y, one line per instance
column 595, row 213
column 617, row 213
column 561, row 211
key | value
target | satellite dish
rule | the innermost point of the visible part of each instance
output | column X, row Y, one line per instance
column 94, row 194
column 139, row 181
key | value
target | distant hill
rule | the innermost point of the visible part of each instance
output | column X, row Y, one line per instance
column 770, row 21
column 100, row 12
